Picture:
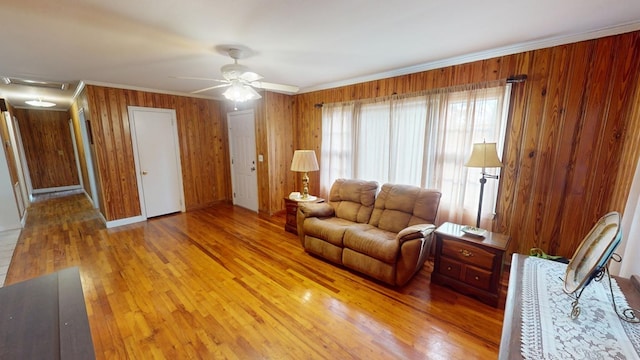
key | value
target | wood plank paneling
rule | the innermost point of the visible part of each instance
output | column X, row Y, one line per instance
column 572, row 139
column 203, row 148
column 48, row 148
column 279, row 120
column 274, row 141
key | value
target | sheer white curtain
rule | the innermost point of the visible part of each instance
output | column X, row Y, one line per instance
column 419, row 139
column 629, row 247
column 390, row 138
column 468, row 117
column 338, row 139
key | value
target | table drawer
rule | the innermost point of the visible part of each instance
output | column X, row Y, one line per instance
column 452, row 269
column 292, row 208
column 478, row 278
column 467, row 253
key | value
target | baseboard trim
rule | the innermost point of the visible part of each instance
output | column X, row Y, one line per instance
column 125, row 221
column 56, row 189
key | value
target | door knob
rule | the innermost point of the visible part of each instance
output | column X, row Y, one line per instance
column 144, row 173
column 253, row 168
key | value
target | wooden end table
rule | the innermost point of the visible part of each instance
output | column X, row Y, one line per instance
column 470, row 264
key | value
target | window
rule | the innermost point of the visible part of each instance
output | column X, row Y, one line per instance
column 421, row 139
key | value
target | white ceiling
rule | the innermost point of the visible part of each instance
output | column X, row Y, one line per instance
column 311, row 44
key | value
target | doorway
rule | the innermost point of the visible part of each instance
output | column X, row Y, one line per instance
column 242, row 150
column 88, row 155
column 156, row 150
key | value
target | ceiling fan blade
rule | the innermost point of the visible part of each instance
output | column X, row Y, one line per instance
column 210, row 88
column 198, row 78
column 275, row 87
column 250, row 76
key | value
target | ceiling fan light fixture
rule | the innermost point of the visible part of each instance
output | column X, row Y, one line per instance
column 40, row 103
column 239, row 93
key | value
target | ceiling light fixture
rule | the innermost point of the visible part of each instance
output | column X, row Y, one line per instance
column 239, row 92
column 40, row 103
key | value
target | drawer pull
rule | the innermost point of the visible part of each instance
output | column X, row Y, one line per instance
column 466, row 252
column 448, row 268
column 477, row 278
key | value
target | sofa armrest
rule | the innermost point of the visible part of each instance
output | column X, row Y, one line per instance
column 415, row 232
column 315, row 210
column 307, row 210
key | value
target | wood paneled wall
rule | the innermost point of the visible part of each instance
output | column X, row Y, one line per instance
column 572, row 142
column 274, row 141
column 277, row 143
column 48, row 147
column 203, row 148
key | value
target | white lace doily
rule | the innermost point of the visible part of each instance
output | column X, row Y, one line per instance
column 548, row 332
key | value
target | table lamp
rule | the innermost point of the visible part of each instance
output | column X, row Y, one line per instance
column 304, row 161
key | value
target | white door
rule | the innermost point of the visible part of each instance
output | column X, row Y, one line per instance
column 242, row 148
column 154, row 134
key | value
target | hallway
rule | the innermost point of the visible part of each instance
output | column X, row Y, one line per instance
column 55, row 223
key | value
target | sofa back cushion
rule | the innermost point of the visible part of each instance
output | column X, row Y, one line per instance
column 353, row 199
column 399, row 206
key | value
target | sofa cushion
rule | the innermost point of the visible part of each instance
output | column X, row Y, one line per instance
column 400, row 206
column 353, row 199
column 323, row 248
column 374, row 242
column 328, row 229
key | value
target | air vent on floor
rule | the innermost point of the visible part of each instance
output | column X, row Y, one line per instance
column 35, row 83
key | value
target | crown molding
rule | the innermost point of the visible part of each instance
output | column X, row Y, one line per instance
column 138, row 88
column 483, row 55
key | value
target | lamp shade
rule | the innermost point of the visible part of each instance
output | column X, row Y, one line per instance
column 239, row 92
column 484, row 155
column 304, row 160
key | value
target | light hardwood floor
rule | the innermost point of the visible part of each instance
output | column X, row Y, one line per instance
column 223, row 282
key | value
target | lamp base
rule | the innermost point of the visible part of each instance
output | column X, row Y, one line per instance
column 483, row 180
column 305, row 186
column 308, row 198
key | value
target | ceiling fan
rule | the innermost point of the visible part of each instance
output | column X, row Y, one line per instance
column 240, row 80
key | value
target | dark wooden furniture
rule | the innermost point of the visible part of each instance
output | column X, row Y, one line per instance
column 472, row 265
column 510, row 343
column 45, row 318
column 291, row 206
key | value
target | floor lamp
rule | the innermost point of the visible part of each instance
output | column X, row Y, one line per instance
column 484, row 155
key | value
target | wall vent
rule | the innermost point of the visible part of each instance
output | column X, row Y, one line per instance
column 36, row 83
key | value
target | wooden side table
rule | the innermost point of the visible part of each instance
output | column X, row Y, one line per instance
column 291, row 206
column 470, row 264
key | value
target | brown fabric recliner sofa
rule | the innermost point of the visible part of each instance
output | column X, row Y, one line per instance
column 387, row 236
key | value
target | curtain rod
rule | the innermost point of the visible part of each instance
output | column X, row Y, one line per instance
column 510, row 80
column 517, row 78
